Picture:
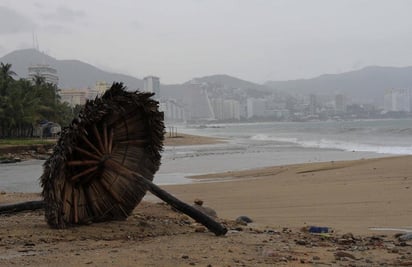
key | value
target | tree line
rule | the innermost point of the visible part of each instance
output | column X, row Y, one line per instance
column 25, row 103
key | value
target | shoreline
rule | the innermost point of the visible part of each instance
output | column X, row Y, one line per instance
column 18, row 153
column 347, row 197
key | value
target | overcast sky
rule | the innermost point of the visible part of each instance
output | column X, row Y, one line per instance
column 256, row 40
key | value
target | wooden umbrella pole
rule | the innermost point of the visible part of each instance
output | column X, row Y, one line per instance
column 215, row 227
column 197, row 215
column 22, row 206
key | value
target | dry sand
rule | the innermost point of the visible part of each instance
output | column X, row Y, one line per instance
column 349, row 197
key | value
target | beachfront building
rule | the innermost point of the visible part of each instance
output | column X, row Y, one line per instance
column 225, row 109
column 217, row 106
column 46, row 71
column 197, row 102
column 74, row 96
column 152, row 84
column 231, row 109
column 173, row 112
column 340, row 103
column 256, row 107
column 101, row 87
column 397, row 100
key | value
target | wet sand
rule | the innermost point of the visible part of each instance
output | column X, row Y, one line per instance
column 349, row 196
column 182, row 139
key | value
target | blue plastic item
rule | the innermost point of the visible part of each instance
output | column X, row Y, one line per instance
column 318, row 229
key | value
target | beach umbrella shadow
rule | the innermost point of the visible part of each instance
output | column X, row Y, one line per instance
column 105, row 160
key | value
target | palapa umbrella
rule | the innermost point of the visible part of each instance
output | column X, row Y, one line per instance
column 105, row 160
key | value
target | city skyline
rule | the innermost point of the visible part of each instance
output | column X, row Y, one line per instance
column 254, row 40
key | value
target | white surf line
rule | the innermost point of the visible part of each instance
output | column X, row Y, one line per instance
column 406, row 230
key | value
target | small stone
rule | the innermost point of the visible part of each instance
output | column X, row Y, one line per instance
column 348, row 236
column 198, row 202
column 301, row 242
column 185, row 257
column 405, row 237
column 340, row 255
column 316, row 258
column 244, row 220
column 343, row 241
column 283, row 259
column 200, row 229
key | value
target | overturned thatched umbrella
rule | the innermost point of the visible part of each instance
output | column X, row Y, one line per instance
column 104, row 162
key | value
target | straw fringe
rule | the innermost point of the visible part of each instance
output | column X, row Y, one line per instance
column 126, row 127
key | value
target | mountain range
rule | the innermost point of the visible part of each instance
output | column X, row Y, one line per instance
column 366, row 85
column 72, row 73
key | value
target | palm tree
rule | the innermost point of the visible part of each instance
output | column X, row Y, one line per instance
column 5, row 71
column 6, row 75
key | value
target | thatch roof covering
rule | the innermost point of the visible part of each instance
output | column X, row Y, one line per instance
column 93, row 173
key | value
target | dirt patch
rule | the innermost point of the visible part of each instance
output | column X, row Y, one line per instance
column 156, row 235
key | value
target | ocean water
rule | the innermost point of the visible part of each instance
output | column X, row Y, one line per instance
column 255, row 145
column 379, row 136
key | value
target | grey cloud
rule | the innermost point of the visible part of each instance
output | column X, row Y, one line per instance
column 135, row 25
column 13, row 22
column 65, row 14
column 38, row 5
column 56, row 29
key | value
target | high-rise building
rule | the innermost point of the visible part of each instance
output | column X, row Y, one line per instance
column 256, row 107
column 313, row 104
column 173, row 112
column 46, row 71
column 231, row 109
column 397, row 100
column 152, row 84
column 340, row 103
column 101, row 87
column 73, row 96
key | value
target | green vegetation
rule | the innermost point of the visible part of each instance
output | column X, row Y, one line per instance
column 25, row 142
column 24, row 103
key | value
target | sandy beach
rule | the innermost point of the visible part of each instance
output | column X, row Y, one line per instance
column 348, row 197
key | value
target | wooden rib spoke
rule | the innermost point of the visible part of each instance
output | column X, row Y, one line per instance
column 111, row 192
column 105, row 138
column 110, row 145
column 118, row 168
column 83, row 173
column 87, row 153
column 91, row 145
column 82, row 162
column 87, row 179
column 134, row 142
column 75, row 208
column 99, row 139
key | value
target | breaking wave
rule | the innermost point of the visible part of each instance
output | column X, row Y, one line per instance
column 336, row 144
